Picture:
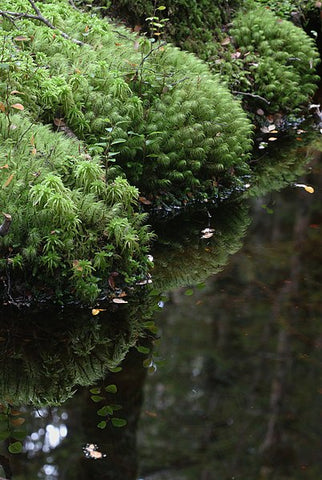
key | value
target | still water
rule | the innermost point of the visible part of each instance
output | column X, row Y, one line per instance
column 232, row 387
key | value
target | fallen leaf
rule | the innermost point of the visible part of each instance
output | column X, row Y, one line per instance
column 21, row 38
column 272, row 139
column 33, row 151
column 77, row 266
column 17, row 421
column 151, row 414
column 4, row 166
column 307, row 188
column 226, row 41
column 96, row 311
column 268, row 128
column 119, row 300
column 59, row 122
column 16, row 92
column 235, row 55
column 144, row 200
column 2, row 107
column 18, row 106
column 207, row 232
column 8, row 181
column 260, row 112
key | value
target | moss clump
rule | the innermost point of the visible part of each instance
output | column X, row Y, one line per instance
column 71, row 227
column 189, row 23
column 276, row 58
column 297, row 9
column 266, row 57
column 155, row 111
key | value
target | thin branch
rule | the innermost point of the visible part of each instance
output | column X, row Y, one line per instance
column 73, row 5
column 251, row 95
column 150, row 52
column 7, row 14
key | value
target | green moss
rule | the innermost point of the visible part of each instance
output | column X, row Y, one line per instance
column 154, row 110
column 266, row 57
column 63, row 212
column 275, row 60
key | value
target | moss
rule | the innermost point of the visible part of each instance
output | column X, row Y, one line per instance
column 62, row 212
column 156, row 111
column 266, row 57
column 276, row 59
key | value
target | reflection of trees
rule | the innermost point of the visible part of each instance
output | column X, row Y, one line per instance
column 240, row 394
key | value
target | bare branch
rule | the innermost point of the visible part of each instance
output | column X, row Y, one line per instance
column 8, row 14
column 251, row 95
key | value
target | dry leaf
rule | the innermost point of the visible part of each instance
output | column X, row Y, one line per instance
column 4, row 166
column 59, row 122
column 16, row 422
column 18, row 106
column 119, row 300
column 226, row 41
column 77, row 266
column 207, row 232
column 8, row 181
column 16, row 92
column 21, row 38
column 2, row 107
column 144, row 200
column 272, row 139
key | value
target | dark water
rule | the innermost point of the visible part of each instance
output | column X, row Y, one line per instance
column 232, row 390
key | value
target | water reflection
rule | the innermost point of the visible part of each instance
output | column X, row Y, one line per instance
column 240, row 396
column 239, row 393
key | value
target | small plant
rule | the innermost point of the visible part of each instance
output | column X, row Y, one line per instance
column 11, row 421
column 107, row 411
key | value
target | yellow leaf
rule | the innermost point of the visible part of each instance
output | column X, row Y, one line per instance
column 96, row 311
column 309, row 189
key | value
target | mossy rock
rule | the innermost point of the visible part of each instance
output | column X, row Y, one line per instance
column 155, row 111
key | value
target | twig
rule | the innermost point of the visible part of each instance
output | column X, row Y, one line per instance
column 251, row 95
column 150, row 52
column 7, row 14
column 73, row 5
